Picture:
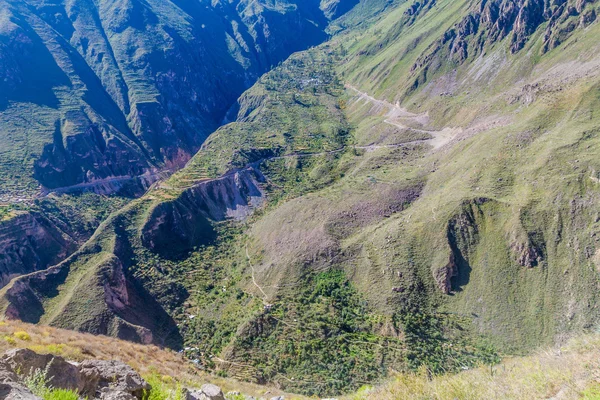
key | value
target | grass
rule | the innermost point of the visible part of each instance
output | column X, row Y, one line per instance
column 61, row 394
column 518, row 183
column 168, row 367
column 569, row 371
column 162, row 388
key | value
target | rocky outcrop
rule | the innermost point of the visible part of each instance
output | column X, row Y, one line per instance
column 462, row 234
column 92, row 379
column 105, row 379
column 417, row 8
column 16, row 391
column 60, row 373
column 30, row 242
column 206, row 392
column 443, row 276
column 527, row 254
column 515, row 20
column 179, row 225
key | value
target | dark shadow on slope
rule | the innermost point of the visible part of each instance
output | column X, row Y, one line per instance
column 462, row 269
column 33, row 72
column 145, row 308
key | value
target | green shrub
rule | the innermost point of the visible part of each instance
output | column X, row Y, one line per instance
column 10, row 340
column 60, row 394
column 22, row 335
column 37, row 382
column 591, row 393
column 161, row 390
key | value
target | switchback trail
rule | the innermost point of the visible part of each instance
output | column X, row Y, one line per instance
column 399, row 117
column 265, row 297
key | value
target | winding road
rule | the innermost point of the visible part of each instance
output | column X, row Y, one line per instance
column 398, row 117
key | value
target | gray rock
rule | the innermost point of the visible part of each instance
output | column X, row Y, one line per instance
column 15, row 391
column 278, row 398
column 109, row 394
column 6, row 373
column 206, row 392
column 60, row 373
column 112, row 376
column 106, row 380
column 213, row 392
column 195, row 395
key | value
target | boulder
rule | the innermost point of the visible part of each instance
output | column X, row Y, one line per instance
column 6, row 373
column 60, row 373
column 109, row 394
column 16, row 391
column 111, row 380
column 206, row 392
column 106, row 380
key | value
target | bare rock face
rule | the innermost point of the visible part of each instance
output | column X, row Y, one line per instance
column 93, row 379
column 111, row 380
column 30, row 242
column 462, row 234
column 177, row 226
column 443, row 276
column 61, row 373
column 16, row 391
column 109, row 394
column 206, row 392
column 514, row 20
column 10, row 388
column 6, row 372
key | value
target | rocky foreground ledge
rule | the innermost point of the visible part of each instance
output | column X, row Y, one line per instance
column 90, row 379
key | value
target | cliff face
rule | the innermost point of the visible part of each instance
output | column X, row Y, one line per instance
column 177, row 226
column 96, row 290
column 132, row 86
column 491, row 21
column 30, row 242
column 100, row 298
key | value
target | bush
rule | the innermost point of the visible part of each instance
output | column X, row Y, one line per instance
column 22, row 335
column 10, row 340
column 37, row 382
column 161, row 390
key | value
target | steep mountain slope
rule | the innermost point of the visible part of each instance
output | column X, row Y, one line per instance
column 133, row 86
column 418, row 192
column 506, row 222
column 129, row 91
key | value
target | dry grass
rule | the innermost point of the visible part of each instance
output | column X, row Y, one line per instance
column 147, row 360
column 570, row 372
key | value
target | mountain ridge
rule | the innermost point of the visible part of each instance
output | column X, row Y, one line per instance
column 415, row 193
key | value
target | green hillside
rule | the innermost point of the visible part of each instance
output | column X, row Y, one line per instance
column 130, row 87
column 417, row 193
